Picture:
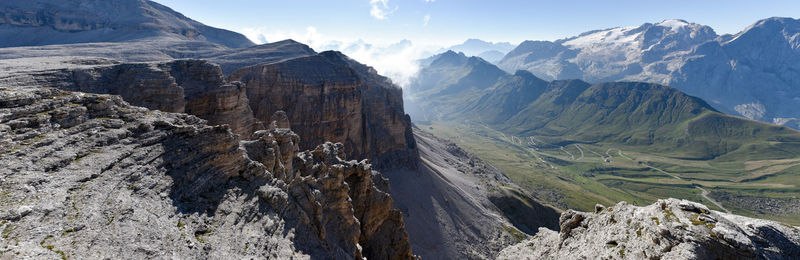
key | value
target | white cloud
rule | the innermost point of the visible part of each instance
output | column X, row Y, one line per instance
column 380, row 9
column 398, row 61
column 429, row 1
column 263, row 35
column 426, row 19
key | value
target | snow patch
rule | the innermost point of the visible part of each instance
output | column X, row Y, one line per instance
column 674, row 24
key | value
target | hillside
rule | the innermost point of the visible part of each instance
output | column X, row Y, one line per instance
column 618, row 141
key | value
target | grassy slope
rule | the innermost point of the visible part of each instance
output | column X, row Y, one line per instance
column 623, row 130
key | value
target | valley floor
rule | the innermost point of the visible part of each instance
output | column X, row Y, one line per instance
column 575, row 175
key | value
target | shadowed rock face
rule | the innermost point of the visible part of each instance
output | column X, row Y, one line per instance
column 668, row 229
column 135, row 183
column 328, row 97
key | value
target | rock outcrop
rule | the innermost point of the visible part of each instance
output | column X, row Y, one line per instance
column 668, row 229
column 89, row 176
column 194, row 87
column 329, row 97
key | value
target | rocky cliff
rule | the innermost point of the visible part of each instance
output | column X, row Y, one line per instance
column 194, row 87
column 668, row 229
column 86, row 175
column 327, row 97
column 330, row 97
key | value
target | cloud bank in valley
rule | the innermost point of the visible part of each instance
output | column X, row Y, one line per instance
column 398, row 61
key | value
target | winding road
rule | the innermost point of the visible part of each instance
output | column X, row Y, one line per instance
column 581, row 150
column 703, row 192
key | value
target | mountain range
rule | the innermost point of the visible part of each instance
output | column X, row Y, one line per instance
column 128, row 130
column 490, row 51
column 227, row 145
column 455, row 86
column 606, row 142
column 750, row 74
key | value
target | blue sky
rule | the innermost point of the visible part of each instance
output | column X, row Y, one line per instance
column 452, row 21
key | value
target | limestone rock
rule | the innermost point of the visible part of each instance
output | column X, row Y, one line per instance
column 329, row 97
column 667, row 229
column 89, row 176
column 195, row 87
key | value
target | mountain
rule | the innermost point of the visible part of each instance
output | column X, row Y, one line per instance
column 45, row 22
column 750, row 74
column 242, row 102
column 458, row 87
column 607, row 142
column 491, row 51
column 667, row 229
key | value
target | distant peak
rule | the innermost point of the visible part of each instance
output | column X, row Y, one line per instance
column 473, row 40
column 523, row 73
column 451, row 53
column 450, row 58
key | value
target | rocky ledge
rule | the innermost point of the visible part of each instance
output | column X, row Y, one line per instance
column 89, row 176
column 668, row 229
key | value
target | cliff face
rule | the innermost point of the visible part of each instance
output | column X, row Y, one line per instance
column 331, row 98
column 327, row 97
column 668, row 229
column 135, row 183
column 184, row 86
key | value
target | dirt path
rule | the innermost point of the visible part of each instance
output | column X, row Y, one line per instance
column 623, row 156
column 703, row 192
column 581, row 150
column 571, row 157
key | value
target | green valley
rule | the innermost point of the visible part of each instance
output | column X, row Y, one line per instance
column 574, row 144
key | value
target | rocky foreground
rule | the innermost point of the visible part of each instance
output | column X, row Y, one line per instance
column 668, row 229
column 89, row 176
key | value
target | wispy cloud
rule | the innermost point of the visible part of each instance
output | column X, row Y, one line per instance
column 380, row 9
column 426, row 19
column 428, row 1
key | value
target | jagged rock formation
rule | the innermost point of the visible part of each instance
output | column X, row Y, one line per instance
column 457, row 206
column 343, row 101
column 88, row 176
column 668, row 229
column 42, row 22
column 330, row 97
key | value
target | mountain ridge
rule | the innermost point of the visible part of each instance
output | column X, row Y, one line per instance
column 42, row 22
column 748, row 74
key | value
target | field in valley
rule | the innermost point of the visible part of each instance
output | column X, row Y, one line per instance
column 571, row 174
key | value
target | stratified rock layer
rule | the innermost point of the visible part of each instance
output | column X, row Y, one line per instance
column 668, row 229
column 88, row 176
column 329, row 97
